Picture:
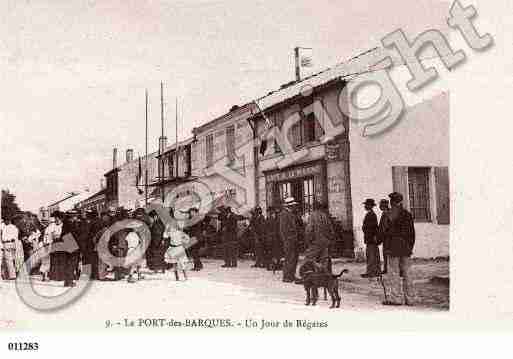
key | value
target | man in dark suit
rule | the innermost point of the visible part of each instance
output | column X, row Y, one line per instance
column 229, row 226
column 384, row 224
column 273, row 248
column 258, row 228
column 370, row 231
column 401, row 240
column 289, row 233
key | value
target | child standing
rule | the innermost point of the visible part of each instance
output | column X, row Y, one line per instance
column 176, row 254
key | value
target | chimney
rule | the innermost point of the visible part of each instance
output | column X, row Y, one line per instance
column 129, row 155
column 162, row 144
column 114, row 158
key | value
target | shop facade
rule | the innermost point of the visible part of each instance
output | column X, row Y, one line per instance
column 320, row 170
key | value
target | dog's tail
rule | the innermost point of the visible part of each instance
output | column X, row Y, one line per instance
column 340, row 275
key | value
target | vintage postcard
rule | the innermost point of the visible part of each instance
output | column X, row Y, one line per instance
column 238, row 165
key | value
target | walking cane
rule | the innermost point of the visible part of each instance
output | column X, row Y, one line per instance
column 381, row 276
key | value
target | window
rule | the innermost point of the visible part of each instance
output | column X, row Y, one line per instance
column 188, row 162
column 278, row 121
column 230, row 142
column 209, row 147
column 418, row 193
column 308, row 195
column 307, row 129
column 285, row 190
column 171, row 164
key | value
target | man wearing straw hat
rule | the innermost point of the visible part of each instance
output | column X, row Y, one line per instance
column 289, row 233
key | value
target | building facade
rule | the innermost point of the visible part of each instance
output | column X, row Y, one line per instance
column 125, row 183
column 97, row 202
column 223, row 159
column 319, row 169
column 174, row 169
column 412, row 159
column 298, row 141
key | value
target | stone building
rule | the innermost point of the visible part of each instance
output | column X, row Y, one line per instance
column 223, row 159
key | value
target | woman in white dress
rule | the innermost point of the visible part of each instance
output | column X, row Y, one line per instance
column 19, row 259
column 51, row 232
column 176, row 254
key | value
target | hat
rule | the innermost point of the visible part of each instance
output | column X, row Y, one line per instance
column 139, row 210
column 395, row 197
column 383, row 202
column 369, row 202
column 58, row 214
column 289, row 201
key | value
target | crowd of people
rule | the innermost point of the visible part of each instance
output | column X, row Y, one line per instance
column 275, row 241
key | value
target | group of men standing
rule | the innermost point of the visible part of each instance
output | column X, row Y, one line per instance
column 282, row 234
column 396, row 233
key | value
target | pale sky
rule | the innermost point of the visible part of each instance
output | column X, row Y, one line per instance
column 74, row 72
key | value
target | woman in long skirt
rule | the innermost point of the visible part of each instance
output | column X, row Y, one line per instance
column 19, row 258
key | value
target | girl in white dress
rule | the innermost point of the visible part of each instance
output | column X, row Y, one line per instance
column 176, row 254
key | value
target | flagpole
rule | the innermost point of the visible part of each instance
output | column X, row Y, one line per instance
column 176, row 135
column 296, row 57
column 162, row 143
column 298, row 61
column 146, row 156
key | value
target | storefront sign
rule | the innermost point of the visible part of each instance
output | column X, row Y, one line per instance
column 295, row 173
column 333, row 152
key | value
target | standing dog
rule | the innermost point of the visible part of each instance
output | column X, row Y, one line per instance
column 315, row 276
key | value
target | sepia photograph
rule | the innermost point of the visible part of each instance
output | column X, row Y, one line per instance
column 231, row 165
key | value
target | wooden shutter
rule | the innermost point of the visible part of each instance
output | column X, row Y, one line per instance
column 319, row 131
column 400, row 183
column 442, row 195
column 295, row 134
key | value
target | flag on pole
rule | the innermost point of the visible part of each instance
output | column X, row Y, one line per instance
column 304, row 62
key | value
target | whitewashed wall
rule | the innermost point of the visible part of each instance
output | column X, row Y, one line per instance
column 421, row 138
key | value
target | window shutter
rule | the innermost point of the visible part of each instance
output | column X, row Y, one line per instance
column 400, row 183
column 295, row 132
column 442, row 195
column 319, row 132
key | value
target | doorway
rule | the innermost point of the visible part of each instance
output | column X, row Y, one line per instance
column 302, row 189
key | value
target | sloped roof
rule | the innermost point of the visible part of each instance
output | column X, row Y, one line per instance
column 348, row 69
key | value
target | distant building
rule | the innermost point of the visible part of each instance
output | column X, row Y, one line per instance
column 96, row 202
column 125, row 183
column 174, row 168
column 65, row 204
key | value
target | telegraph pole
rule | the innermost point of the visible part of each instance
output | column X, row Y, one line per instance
column 162, row 143
column 146, row 157
column 176, row 135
